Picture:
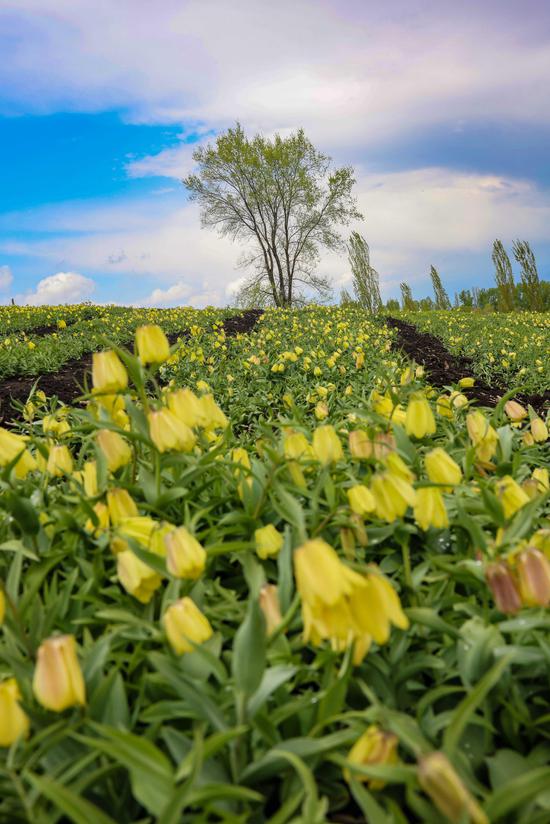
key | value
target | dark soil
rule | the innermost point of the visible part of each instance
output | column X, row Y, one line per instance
column 67, row 383
column 443, row 368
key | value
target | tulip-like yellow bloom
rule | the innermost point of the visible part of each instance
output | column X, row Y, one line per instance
column 186, row 625
column 458, row 400
column 362, row 446
column 12, row 445
column 361, row 499
column 108, row 372
column 322, row 579
column 442, row 469
column 429, row 509
column 269, row 604
column 268, row 541
column 392, row 496
column 376, row 606
column 542, row 478
column 185, row 556
column 539, row 430
column 60, row 461
column 136, row 577
column 420, row 420
column 373, row 747
column 397, row 466
column 533, row 570
column 121, row 506
column 186, row 406
column 213, row 416
column 326, row 445
column 58, row 681
column 439, row 780
column 52, row 426
column 464, row 383
column 515, row 411
column 482, row 435
column 102, row 512
column 511, row 495
column 87, row 476
column 169, row 432
column 14, row 722
column 503, row 585
column 152, row 344
column 297, row 447
column 381, row 404
column 116, row 450
column 443, row 406
column 139, row 528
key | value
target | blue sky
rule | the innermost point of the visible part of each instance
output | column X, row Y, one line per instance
column 443, row 112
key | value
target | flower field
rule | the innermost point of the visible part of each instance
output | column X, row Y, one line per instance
column 273, row 577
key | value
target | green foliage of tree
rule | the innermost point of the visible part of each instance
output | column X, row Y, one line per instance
column 392, row 305
column 504, row 277
column 281, row 198
column 346, row 299
column 529, row 274
column 407, row 299
column 366, row 283
column 441, row 297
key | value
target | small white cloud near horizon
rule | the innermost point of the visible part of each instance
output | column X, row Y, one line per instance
column 63, row 287
column 6, row 277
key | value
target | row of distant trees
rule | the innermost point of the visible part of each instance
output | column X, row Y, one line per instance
column 506, row 296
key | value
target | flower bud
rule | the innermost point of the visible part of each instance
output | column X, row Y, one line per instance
column 515, row 411
column 530, row 487
column 14, row 723
column 502, row 584
column 429, row 509
column 137, row 578
column 2, row 605
column 373, row 747
column 268, row 541
column 115, row 449
column 121, row 506
column 533, row 569
column 152, row 344
column 419, row 419
column 326, row 445
column 465, row 383
column 185, row 557
column 511, row 495
column 58, row 681
column 12, row 445
column 361, row 499
column 482, row 435
column 528, row 439
column 359, row 530
column 443, row 406
column 60, row 461
column 441, row 468
column 269, row 604
column 321, row 411
column 169, row 432
column 108, row 372
column 185, row 623
column 439, row 780
column 539, row 430
column 347, row 539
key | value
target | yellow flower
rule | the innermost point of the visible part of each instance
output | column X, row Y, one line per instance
column 439, row 780
column 2, row 605
column 51, row 425
column 540, row 475
column 268, row 541
column 466, row 382
column 186, row 625
column 14, row 722
column 392, row 496
column 429, row 509
column 376, row 606
column 169, row 432
column 136, row 577
column 58, row 681
column 102, row 513
column 441, row 468
column 397, row 466
column 515, row 411
column 12, row 445
column 269, row 604
column 108, row 372
column 381, row 404
column 373, row 747
column 539, row 430
column 139, row 528
column 121, row 506
column 533, row 570
column 87, row 476
column 212, row 415
column 117, row 452
column 296, row 446
column 152, row 344
column 60, row 461
column 326, row 445
column 361, row 499
column 511, row 495
column 443, row 406
column 503, row 585
column 482, row 435
column 420, row 420
column 185, row 556
column 321, row 411
column 321, row 578
column 186, row 406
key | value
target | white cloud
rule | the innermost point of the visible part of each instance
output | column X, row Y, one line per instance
column 63, row 287
column 174, row 295
column 6, row 277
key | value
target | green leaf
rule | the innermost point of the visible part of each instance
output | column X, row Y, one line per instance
column 272, row 679
column 78, row 809
column 372, row 810
column 517, row 791
column 249, row 650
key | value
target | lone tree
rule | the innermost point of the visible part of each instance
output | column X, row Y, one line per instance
column 441, row 297
column 529, row 274
column 282, row 200
column 366, row 284
column 504, row 277
column 407, row 299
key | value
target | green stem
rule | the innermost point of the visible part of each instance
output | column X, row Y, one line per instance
column 405, row 550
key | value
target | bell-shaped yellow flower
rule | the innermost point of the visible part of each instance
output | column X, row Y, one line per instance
column 185, row 556
column 444, row 407
column 429, row 509
column 361, row 499
column 108, row 372
column 116, row 450
column 185, row 625
column 515, row 411
column 296, row 447
column 14, row 722
column 269, row 604
column 102, row 514
column 533, row 571
column 87, row 477
column 376, row 607
column 268, row 541
column 420, row 419
column 539, row 430
column 441, row 468
column 121, row 506
column 2, row 605
column 504, row 587
column 373, row 747
column 152, row 344
column 186, row 406
column 482, row 435
column 392, row 495
column 12, row 445
column 138, row 528
column 60, row 461
column 441, row 783
column 213, row 416
column 397, row 466
column 137, row 578
column 511, row 495
column 169, row 432
column 327, row 447
column 321, row 577
column 542, row 478
column 58, row 681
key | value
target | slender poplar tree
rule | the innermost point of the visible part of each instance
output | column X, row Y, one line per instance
column 441, row 297
column 529, row 274
column 366, row 283
column 504, row 277
column 406, row 297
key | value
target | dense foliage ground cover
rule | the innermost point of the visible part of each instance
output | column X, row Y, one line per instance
column 509, row 348
column 307, row 587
